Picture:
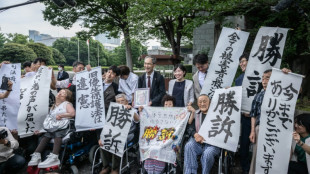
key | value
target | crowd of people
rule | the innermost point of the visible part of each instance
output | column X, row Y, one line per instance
column 181, row 93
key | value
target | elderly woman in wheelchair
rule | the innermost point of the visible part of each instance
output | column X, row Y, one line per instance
column 57, row 125
column 196, row 146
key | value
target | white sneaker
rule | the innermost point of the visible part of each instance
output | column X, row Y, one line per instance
column 51, row 160
column 35, row 159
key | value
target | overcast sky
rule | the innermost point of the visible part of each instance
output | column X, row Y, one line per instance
column 30, row 17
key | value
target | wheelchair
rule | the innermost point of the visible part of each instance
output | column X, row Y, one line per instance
column 75, row 148
column 223, row 164
column 130, row 157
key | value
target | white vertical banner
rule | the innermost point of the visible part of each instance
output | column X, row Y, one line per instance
column 116, row 128
column 24, row 86
column 277, row 122
column 221, row 127
column 34, row 103
column 9, row 106
column 90, row 113
column 266, row 53
column 225, row 60
column 161, row 132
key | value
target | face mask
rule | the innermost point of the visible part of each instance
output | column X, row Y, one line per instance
column 59, row 68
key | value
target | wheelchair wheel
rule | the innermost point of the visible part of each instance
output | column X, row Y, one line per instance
column 74, row 169
column 95, row 159
column 92, row 153
column 228, row 166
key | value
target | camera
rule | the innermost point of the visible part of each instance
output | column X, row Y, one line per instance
column 3, row 134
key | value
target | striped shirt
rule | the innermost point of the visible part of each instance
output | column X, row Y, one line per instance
column 256, row 106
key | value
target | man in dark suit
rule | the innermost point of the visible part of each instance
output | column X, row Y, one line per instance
column 110, row 88
column 153, row 80
column 62, row 75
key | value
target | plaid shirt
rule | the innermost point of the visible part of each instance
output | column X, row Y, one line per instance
column 256, row 106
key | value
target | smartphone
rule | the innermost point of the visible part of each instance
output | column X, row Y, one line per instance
column 4, row 85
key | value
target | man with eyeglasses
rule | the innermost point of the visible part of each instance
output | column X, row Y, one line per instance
column 152, row 80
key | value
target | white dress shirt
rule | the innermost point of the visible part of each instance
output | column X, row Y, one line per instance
column 129, row 85
column 106, row 85
column 29, row 74
column 146, row 81
column 201, row 78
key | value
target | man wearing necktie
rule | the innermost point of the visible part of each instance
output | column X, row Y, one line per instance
column 201, row 63
column 152, row 80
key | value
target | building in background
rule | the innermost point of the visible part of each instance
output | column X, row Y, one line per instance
column 45, row 39
column 109, row 43
column 158, row 50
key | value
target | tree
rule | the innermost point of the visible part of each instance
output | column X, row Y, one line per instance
column 2, row 40
column 69, row 48
column 17, row 38
column 98, row 16
column 58, row 56
column 42, row 51
column 16, row 53
column 171, row 21
column 118, row 55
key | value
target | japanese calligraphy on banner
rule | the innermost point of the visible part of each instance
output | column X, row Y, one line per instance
column 9, row 106
column 90, row 112
column 116, row 128
column 161, row 131
column 34, row 102
column 221, row 127
column 277, row 122
column 266, row 53
column 225, row 60
column 24, row 86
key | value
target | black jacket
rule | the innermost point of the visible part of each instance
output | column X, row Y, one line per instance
column 158, row 87
column 109, row 95
column 64, row 76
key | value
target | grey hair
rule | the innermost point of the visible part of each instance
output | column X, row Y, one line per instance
column 205, row 95
column 120, row 96
column 153, row 59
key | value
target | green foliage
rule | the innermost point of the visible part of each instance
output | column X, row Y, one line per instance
column 70, row 68
column 2, row 40
column 98, row 17
column 188, row 68
column 58, row 56
column 172, row 22
column 118, row 56
column 42, row 51
column 17, row 53
column 189, row 76
column 17, row 38
column 69, row 48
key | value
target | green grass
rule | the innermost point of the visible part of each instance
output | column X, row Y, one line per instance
column 69, row 68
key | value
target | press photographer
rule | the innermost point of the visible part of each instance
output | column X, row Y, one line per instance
column 9, row 161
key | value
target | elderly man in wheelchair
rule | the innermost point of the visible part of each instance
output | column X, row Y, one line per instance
column 196, row 146
column 109, row 158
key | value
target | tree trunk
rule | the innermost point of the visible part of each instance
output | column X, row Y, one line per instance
column 128, row 48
